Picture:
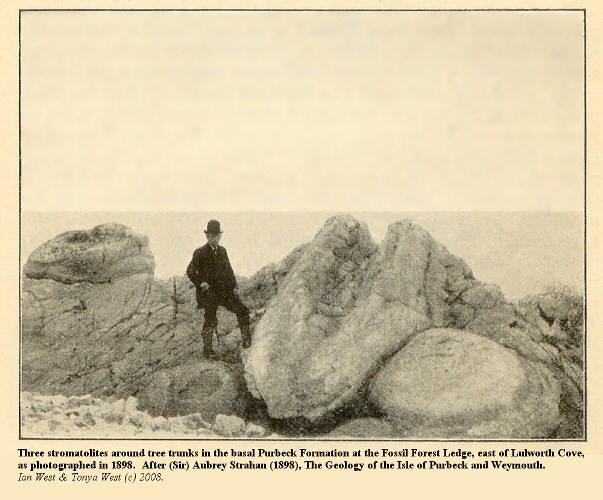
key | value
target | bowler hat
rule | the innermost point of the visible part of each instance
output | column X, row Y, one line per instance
column 213, row 227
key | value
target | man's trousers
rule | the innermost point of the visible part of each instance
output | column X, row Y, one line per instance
column 230, row 301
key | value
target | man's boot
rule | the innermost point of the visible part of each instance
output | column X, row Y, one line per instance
column 246, row 334
column 208, row 352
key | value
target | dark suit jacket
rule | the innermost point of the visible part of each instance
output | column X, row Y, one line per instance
column 213, row 269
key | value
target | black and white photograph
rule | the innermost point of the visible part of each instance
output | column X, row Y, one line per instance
column 303, row 225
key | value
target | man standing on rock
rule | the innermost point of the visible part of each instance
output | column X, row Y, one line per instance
column 216, row 285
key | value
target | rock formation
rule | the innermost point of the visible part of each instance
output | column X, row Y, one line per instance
column 207, row 388
column 95, row 321
column 447, row 383
column 107, row 252
column 305, row 359
column 347, row 306
column 345, row 332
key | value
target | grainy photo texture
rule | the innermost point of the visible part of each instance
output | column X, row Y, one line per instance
column 332, row 320
column 342, row 337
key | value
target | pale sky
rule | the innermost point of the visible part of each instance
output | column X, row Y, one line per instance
column 334, row 111
column 521, row 252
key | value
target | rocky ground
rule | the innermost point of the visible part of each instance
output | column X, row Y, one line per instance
column 89, row 417
column 350, row 338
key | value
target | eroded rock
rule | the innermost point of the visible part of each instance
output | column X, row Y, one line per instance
column 207, row 388
column 106, row 253
column 305, row 359
column 455, row 384
column 110, row 337
column 326, row 320
column 346, row 306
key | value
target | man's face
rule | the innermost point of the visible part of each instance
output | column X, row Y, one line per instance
column 214, row 239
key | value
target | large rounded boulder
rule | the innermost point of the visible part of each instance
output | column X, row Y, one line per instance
column 208, row 388
column 309, row 354
column 101, row 255
column 455, row 384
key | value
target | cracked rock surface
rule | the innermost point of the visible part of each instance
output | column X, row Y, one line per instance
column 347, row 306
column 330, row 324
column 115, row 337
column 104, row 339
column 309, row 354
